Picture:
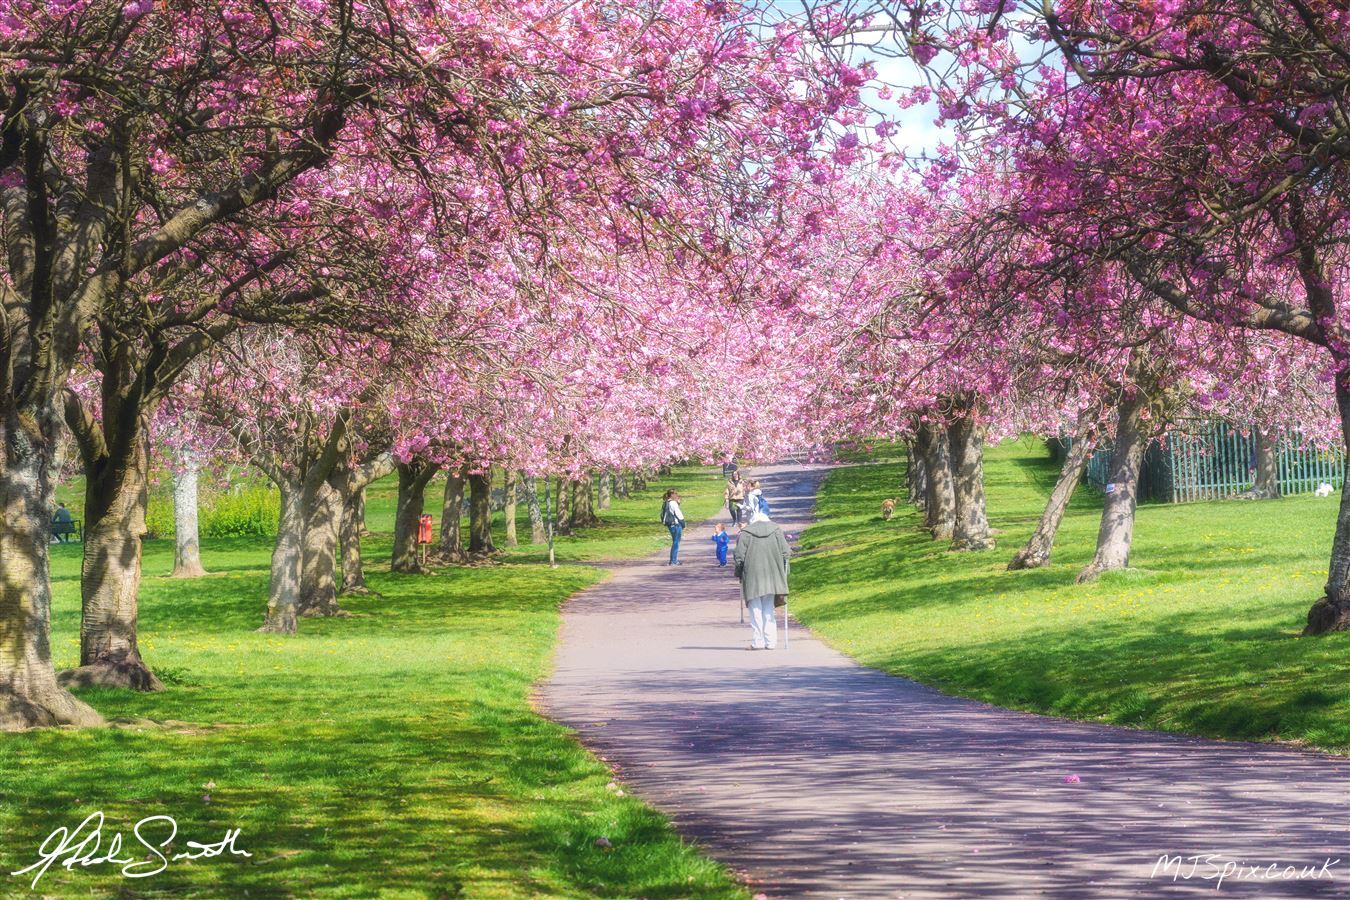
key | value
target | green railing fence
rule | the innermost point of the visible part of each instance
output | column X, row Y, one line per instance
column 1209, row 461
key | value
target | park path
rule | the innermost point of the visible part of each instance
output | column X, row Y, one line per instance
column 812, row 776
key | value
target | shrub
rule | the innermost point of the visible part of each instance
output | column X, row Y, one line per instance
column 252, row 512
column 249, row 512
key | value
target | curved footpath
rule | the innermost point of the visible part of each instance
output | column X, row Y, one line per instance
column 812, row 776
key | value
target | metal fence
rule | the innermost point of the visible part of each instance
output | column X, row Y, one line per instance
column 1217, row 460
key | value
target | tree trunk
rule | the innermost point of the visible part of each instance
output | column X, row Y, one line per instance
column 621, row 485
column 353, row 517
column 562, row 516
column 187, row 560
column 1266, row 483
column 1036, row 553
column 509, row 507
column 115, row 497
column 583, row 504
column 29, row 693
column 916, row 477
column 538, row 534
column 350, row 481
column 412, row 486
column 361, row 514
column 971, row 531
column 318, row 569
column 605, row 490
column 480, row 514
column 1122, row 489
column 452, row 509
column 1332, row 611
column 283, row 591
column 940, row 502
column 639, row 481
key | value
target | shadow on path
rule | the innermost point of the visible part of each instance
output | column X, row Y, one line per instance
column 813, row 776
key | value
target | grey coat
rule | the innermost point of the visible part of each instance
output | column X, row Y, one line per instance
column 763, row 560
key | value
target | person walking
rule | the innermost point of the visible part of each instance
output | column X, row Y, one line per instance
column 753, row 502
column 735, row 495
column 673, row 518
column 763, row 561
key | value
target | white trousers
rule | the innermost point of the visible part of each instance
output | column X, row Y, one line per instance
column 763, row 623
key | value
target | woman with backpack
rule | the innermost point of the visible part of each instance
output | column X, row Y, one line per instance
column 673, row 518
column 762, row 563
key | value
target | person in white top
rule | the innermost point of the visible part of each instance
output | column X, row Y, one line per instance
column 752, row 499
column 673, row 518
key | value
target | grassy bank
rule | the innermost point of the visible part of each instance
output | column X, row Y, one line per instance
column 393, row 753
column 1202, row 637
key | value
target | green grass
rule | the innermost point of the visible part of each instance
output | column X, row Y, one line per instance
column 394, row 753
column 630, row 528
column 1202, row 637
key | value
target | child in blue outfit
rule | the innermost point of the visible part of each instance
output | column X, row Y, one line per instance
column 721, row 539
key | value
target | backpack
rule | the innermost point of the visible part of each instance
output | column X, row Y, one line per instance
column 666, row 518
column 763, row 505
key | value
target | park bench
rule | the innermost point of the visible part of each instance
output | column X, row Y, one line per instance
column 60, row 529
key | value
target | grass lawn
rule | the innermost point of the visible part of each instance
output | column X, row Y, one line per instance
column 1202, row 637
column 394, row 753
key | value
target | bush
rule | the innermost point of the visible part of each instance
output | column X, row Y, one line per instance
column 159, row 513
column 252, row 512
column 249, row 512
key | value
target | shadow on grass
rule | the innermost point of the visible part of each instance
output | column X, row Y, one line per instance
column 393, row 752
column 1202, row 638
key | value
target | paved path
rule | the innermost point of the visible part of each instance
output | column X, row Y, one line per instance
column 812, row 776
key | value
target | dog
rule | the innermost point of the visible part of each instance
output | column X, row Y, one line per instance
column 1324, row 490
column 887, row 510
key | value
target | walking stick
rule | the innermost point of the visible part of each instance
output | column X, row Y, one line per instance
column 786, row 642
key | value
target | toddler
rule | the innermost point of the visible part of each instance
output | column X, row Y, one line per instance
column 721, row 539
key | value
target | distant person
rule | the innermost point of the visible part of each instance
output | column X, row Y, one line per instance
column 762, row 564
column 63, row 524
column 729, row 467
column 673, row 518
column 735, row 496
column 721, row 539
column 754, row 499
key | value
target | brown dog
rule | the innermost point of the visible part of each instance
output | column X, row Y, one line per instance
column 887, row 509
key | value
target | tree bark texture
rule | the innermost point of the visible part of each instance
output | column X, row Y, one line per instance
column 971, row 531
column 1116, row 532
column 583, row 503
column 538, row 533
column 29, row 693
column 1037, row 551
column 116, row 492
column 283, row 590
column 604, row 490
column 1266, row 481
column 318, row 570
column 940, row 498
column 1332, row 611
column 512, row 481
column 916, row 477
column 350, row 482
column 452, row 510
column 187, row 559
column 480, row 514
column 413, row 477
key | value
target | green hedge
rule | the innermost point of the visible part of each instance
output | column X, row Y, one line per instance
column 249, row 512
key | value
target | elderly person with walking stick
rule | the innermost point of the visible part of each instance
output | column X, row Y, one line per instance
column 762, row 563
